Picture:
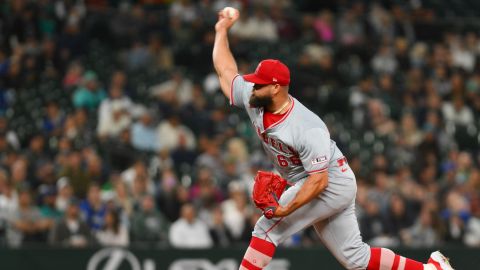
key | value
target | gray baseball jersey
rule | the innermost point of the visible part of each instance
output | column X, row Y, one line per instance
column 299, row 144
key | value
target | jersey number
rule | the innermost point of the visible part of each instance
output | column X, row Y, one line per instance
column 283, row 160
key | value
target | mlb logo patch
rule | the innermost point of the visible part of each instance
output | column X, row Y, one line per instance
column 319, row 160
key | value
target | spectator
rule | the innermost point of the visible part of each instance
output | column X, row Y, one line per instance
column 71, row 231
column 144, row 134
column 249, row 226
column 65, row 194
column 284, row 23
column 219, row 232
column 359, row 97
column 122, row 197
column 90, row 94
column 171, row 132
column 160, row 163
column 113, row 233
column 455, row 215
column 8, row 205
column 195, row 115
column 372, row 224
column 384, row 61
column 48, row 196
column 93, row 210
column 243, row 28
column 472, row 235
column 170, row 195
column 8, row 195
column 204, row 193
column 211, row 158
column 73, row 76
column 72, row 40
column 472, row 232
column 82, row 133
column 441, row 81
column 149, row 226
column 45, row 174
column 137, row 56
column 94, row 166
column 120, row 152
column 422, row 233
column 74, row 171
column 350, row 29
column 185, row 10
column 18, row 171
column 27, row 226
column 10, row 134
column 236, row 210
column 161, row 55
column 36, row 155
column 325, row 26
column 117, row 101
column 175, row 91
column 398, row 217
column 138, row 171
column 237, row 151
column 378, row 119
column 262, row 25
column 462, row 57
column 119, row 120
column 409, row 135
column 457, row 113
column 188, row 231
column 53, row 122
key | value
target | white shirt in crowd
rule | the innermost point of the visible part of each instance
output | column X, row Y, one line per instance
column 172, row 136
column 190, row 235
column 109, row 238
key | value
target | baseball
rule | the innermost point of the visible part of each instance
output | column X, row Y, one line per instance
column 230, row 12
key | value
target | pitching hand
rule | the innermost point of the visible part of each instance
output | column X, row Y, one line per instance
column 224, row 21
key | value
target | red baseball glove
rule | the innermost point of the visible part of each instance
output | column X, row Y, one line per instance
column 267, row 190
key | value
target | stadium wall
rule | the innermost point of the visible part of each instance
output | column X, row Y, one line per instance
column 211, row 259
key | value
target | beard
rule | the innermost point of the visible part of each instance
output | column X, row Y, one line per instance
column 260, row 102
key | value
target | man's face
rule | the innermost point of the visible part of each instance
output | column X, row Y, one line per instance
column 261, row 96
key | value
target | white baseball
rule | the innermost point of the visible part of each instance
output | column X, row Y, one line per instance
column 230, row 12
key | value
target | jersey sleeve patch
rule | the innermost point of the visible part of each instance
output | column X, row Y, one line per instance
column 319, row 160
column 315, row 150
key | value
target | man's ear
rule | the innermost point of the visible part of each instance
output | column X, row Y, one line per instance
column 276, row 89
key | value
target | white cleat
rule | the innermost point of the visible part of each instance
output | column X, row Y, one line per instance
column 439, row 261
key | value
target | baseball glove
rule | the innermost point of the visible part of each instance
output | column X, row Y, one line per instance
column 267, row 190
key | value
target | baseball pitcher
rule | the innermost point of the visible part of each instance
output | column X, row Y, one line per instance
column 322, row 185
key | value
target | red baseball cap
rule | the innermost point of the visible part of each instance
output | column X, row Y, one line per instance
column 270, row 71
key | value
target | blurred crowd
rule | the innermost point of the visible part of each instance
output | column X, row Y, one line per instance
column 113, row 130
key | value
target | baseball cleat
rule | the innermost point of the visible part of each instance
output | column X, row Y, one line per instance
column 439, row 261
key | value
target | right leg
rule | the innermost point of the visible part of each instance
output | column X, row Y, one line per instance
column 385, row 259
column 341, row 235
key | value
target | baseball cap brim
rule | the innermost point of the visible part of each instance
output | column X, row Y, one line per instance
column 252, row 77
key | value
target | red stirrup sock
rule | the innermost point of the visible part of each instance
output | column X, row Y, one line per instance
column 258, row 254
column 385, row 259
